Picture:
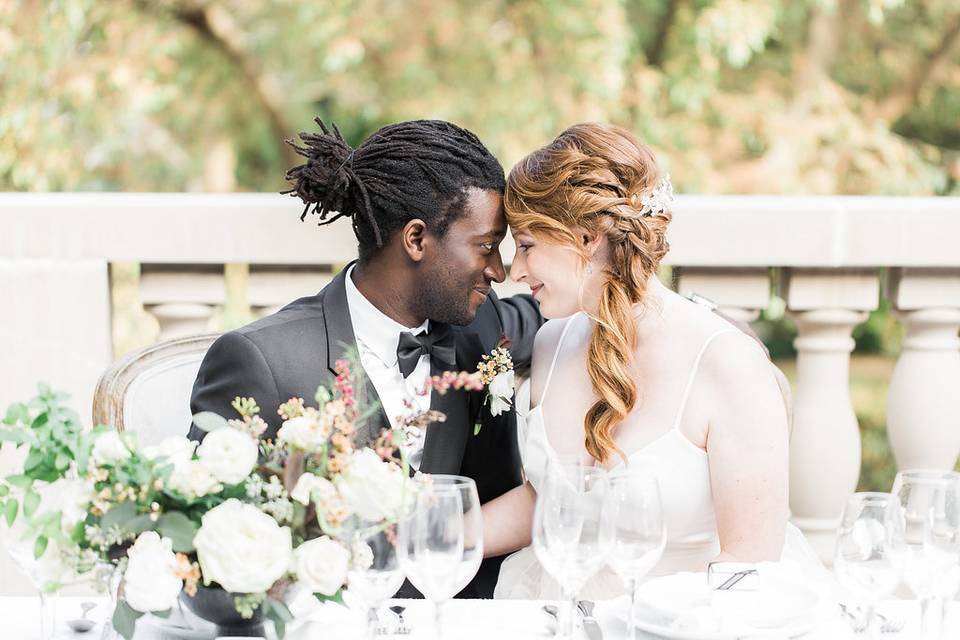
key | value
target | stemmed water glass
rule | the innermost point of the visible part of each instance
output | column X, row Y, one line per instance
column 869, row 555
column 571, row 530
column 375, row 572
column 440, row 538
column 931, row 536
column 639, row 531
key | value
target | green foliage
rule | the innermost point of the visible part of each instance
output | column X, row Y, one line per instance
column 773, row 96
column 125, row 619
column 277, row 612
column 180, row 529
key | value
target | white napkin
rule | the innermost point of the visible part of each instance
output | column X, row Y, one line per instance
column 684, row 602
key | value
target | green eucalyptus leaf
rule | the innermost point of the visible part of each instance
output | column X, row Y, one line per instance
column 16, row 412
column 40, row 546
column 20, row 481
column 279, row 614
column 337, row 597
column 209, row 421
column 61, row 462
column 31, row 500
column 10, row 511
column 119, row 515
column 125, row 619
column 180, row 529
column 18, row 436
column 4, row 491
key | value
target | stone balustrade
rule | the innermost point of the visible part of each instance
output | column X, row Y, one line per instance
column 825, row 257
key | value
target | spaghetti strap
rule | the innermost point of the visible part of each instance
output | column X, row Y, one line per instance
column 553, row 363
column 693, row 373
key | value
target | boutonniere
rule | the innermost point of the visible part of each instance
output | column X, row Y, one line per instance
column 496, row 372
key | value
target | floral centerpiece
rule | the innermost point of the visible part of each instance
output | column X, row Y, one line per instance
column 253, row 517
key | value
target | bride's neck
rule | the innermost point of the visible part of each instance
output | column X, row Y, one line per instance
column 655, row 297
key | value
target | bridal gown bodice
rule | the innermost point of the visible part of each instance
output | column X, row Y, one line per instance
column 683, row 472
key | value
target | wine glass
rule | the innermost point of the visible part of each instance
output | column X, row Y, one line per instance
column 571, row 530
column 440, row 539
column 375, row 572
column 931, row 537
column 639, row 531
column 869, row 554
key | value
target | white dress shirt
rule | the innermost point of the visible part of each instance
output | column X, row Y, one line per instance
column 377, row 336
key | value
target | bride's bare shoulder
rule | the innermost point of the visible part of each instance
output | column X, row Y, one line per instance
column 544, row 347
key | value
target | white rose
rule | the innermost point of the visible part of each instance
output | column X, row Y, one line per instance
column 228, row 454
column 309, row 485
column 193, row 480
column 301, row 432
column 109, row 448
column 321, row 565
column 150, row 582
column 371, row 487
column 241, row 548
column 501, row 393
column 175, row 449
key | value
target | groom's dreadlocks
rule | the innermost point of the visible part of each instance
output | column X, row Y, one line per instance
column 418, row 169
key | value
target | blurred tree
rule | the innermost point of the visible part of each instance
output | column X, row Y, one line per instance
column 772, row 96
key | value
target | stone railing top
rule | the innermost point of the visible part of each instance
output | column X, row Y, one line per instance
column 264, row 228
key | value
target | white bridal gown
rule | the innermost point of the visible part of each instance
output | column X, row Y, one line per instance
column 683, row 473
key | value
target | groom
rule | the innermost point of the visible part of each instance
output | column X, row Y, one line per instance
column 424, row 198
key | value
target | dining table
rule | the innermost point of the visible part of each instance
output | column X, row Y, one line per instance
column 462, row 620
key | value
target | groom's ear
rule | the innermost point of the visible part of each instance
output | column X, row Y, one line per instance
column 414, row 236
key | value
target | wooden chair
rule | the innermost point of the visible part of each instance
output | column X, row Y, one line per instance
column 148, row 391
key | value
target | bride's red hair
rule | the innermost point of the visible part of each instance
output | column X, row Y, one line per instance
column 592, row 176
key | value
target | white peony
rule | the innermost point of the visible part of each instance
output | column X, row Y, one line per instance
column 309, row 485
column 301, row 432
column 109, row 448
column 193, row 480
column 228, row 454
column 321, row 565
column 241, row 548
column 150, row 582
column 372, row 487
column 175, row 449
column 501, row 393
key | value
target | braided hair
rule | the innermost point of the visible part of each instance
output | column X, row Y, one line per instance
column 417, row 169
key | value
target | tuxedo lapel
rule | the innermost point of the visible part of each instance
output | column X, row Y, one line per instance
column 341, row 342
column 445, row 442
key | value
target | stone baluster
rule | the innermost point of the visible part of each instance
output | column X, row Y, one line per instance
column 272, row 287
column 182, row 299
column 825, row 445
column 923, row 413
column 740, row 293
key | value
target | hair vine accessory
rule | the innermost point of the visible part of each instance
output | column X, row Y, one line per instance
column 659, row 200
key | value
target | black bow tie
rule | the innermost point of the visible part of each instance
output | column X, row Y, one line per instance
column 438, row 344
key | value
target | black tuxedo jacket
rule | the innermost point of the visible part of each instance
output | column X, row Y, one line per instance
column 293, row 351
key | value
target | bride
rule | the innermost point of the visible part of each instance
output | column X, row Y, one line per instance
column 627, row 372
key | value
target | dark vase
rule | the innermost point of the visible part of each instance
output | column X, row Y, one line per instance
column 216, row 605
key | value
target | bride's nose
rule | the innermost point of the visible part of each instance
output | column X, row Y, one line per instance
column 518, row 271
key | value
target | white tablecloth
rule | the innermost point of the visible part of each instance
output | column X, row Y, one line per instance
column 464, row 619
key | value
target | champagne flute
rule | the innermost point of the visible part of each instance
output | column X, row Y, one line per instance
column 440, row 539
column 571, row 530
column 931, row 536
column 639, row 531
column 869, row 555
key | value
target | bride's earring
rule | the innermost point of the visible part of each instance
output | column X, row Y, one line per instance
column 589, row 268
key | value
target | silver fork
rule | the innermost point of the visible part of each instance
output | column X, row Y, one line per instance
column 888, row 625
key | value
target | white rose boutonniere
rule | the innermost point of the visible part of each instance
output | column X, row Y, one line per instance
column 496, row 371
